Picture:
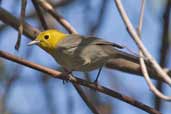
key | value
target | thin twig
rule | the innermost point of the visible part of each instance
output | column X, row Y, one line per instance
column 40, row 14
column 75, row 80
column 9, row 19
column 101, row 16
column 142, row 63
column 140, row 23
column 48, row 7
column 137, row 40
column 20, row 29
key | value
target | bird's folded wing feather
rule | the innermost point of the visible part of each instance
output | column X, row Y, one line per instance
column 76, row 40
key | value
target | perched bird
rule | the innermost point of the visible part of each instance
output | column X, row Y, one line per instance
column 79, row 53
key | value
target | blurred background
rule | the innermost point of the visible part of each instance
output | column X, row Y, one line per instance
column 27, row 91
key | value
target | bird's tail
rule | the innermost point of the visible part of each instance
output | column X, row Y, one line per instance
column 124, row 55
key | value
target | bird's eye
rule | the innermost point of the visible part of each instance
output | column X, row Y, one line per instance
column 46, row 37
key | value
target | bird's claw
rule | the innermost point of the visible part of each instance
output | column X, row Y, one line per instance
column 67, row 75
column 95, row 81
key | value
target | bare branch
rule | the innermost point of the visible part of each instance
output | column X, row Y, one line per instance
column 139, row 29
column 75, row 80
column 101, row 16
column 28, row 30
column 45, row 5
column 137, row 40
column 142, row 63
column 20, row 29
column 139, row 43
column 40, row 14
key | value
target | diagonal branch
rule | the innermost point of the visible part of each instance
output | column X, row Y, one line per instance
column 40, row 14
column 142, row 63
column 137, row 40
column 100, row 18
column 9, row 19
column 48, row 7
column 75, row 80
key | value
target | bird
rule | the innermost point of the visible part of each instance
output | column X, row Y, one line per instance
column 76, row 52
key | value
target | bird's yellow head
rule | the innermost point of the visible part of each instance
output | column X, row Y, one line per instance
column 49, row 39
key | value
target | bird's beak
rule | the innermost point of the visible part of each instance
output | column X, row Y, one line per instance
column 33, row 42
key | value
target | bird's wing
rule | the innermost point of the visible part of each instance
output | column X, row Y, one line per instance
column 98, row 41
column 78, row 40
column 74, row 41
column 70, row 42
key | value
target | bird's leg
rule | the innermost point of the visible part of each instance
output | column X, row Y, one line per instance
column 67, row 73
column 98, row 74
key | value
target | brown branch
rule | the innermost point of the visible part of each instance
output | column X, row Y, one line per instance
column 45, row 5
column 8, row 19
column 75, row 80
column 20, row 29
column 40, row 14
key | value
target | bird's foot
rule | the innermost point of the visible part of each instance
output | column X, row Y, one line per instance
column 67, row 74
column 96, row 81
